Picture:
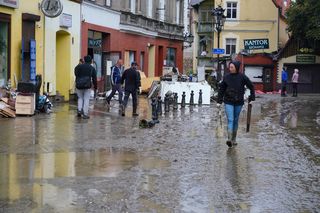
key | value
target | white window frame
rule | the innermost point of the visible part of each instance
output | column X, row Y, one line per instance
column 149, row 8
column 177, row 11
column 108, row 3
column 232, row 8
column 227, row 42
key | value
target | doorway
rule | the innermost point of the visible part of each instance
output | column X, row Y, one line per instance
column 151, row 63
column 160, row 62
column 267, row 79
column 63, row 63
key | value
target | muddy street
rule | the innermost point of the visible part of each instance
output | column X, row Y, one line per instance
column 59, row 163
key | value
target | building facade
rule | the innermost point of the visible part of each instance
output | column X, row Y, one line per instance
column 146, row 31
column 21, row 41
column 62, row 49
column 248, row 22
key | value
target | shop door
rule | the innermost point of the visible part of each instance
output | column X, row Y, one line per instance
column 4, row 53
column 267, row 79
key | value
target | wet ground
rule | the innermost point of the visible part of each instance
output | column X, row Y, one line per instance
column 59, row 163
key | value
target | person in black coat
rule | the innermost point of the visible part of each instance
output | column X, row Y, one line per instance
column 231, row 92
column 85, row 76
column 131, row 78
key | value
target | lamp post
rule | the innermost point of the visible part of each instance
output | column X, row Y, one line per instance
column 218, row 20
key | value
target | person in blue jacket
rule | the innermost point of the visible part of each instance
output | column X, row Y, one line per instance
column 116, row 82
column 231, row 93
column 284, row 80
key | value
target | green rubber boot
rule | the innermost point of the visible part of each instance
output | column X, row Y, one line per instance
column 234, row 138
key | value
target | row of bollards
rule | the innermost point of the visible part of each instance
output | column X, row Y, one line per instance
column 157, row 104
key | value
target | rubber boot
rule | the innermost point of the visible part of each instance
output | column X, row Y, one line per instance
column 123, row 110
column 134, row 111
column 229, row 142
column 234, row 138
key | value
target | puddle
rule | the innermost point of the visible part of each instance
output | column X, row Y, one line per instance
column 22, row 168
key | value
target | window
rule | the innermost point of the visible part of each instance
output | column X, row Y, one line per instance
column 231, row 44
column 171, row 57
column 177, row 12
column 108, row 3
column 232, row 10
column 149, row 10
column 205, row 16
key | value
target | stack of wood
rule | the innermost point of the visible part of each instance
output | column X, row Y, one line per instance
column 5, row 109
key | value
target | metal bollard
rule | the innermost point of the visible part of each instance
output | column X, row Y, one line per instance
column 183, row 100
column 200, row 98
column 191, row 103
column 159, row 106
column 166, row 104
column 175, row 102
column 154, row 111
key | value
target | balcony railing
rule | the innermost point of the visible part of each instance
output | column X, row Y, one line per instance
column 164, row 29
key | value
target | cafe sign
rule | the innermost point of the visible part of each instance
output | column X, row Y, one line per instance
column 254, row 44
column 10, row 3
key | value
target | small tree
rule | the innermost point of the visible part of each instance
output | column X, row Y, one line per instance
column 304, row 19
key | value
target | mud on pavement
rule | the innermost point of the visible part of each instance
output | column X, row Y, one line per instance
column 58, row 163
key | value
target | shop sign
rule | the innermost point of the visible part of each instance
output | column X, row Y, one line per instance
column 65, row 20
column 51, row 8
column 94, row 42
column 10, row 3
column 306, row 59
column 254, row 44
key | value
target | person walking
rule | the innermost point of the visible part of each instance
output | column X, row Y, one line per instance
column 284, row 80
column 116, row 82
column 295, row 78
column 132, row 82
column 231, row 92
column 85, row 76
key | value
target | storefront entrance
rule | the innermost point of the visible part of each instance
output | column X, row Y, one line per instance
column 63, row 63
column 4, row 49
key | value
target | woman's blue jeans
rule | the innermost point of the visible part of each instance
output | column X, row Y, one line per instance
column 233, row 113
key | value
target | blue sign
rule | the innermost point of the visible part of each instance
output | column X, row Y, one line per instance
column 33, row 71
column 218, row 51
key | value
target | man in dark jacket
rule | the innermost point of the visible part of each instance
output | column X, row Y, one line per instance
column 85, row 76
column 116, row 82
column 231, row 92
column 132, row 82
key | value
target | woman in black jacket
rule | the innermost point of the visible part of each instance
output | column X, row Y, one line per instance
column 231, row 92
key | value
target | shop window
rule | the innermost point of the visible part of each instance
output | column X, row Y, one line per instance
column 4, row 53
column 171, row 57
column 232, row 10
column 254, row 73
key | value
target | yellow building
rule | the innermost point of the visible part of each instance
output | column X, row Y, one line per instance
column 62, row 49
column 249, row 22
column 21, row 24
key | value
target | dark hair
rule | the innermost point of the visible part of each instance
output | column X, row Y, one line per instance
column 81, row 60
column 87, row 59
column 236, row 65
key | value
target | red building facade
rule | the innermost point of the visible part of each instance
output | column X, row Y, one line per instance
column 107, row 44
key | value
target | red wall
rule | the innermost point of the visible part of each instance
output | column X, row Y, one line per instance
column 117, row 41
column 259, row 60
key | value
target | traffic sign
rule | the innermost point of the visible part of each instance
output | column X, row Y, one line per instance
column 218, row 51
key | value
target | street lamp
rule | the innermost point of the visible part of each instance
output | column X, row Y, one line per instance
column 218, row 20
column 188, row 38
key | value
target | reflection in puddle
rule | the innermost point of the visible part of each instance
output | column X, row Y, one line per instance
column 18, row 170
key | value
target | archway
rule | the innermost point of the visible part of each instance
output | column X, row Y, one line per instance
column 63, row 63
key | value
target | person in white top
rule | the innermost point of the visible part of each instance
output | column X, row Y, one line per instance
column 295, row 78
